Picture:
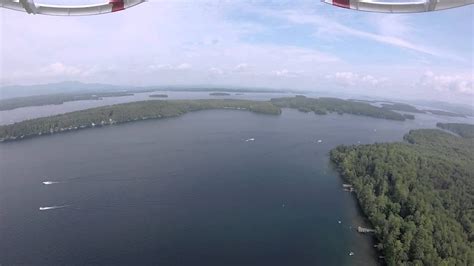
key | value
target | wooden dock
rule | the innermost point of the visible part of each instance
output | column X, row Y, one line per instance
column 347, row 187
column 361, row 229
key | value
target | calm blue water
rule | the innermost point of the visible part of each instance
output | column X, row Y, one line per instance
column 188, row 191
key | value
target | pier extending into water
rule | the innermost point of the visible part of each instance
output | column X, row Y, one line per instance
column 347, row 187
column 361, row 229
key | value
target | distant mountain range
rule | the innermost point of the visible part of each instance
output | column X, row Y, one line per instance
column 54, row 88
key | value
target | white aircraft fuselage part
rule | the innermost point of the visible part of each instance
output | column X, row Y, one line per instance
column 30, row 7
column 415, row 6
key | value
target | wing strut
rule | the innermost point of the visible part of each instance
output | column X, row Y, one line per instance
column 399, row 7
column 30, row 7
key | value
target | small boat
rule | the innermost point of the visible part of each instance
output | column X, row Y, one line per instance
column 351, row 253
column 251, row 139
column 339, row 222
column 320, row 140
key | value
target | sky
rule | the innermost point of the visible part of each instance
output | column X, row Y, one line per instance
column 294, row 44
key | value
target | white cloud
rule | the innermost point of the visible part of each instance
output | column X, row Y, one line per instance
column 242, row 67
column 182, row 66
column 216, row 71
column 393, row 25
column 160, row 67
column 461, row 84
column 286, row 73
column 60, row 69
column 57, row 71
column 205, row 39
column 392, row 31
column 355, row 79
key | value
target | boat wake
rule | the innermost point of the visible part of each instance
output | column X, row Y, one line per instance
column 50, row 182
column 52, row 207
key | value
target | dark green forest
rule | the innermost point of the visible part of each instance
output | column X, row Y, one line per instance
column 329, row 105
column 418, row 195
column 463, row 130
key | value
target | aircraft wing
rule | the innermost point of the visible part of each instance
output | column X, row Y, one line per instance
column 399, row 6
column 31, row 7
column 13, row 5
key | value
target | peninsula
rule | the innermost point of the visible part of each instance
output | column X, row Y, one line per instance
column 156, row 109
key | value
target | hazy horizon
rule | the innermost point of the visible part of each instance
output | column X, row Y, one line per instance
column 74, row 87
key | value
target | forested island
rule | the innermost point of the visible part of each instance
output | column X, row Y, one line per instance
column 412, row 109
column 463, row 130
column 418, row 195
column 328, row 105
column 158, row 96
column 219, row 94
column 122, row 113
column 154, row 109
column 401, row 107
column 444, row 113
column 60, row 98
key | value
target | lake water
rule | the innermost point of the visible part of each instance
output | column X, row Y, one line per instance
column 189, row 191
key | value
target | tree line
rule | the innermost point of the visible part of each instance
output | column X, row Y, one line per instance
column 463, row 130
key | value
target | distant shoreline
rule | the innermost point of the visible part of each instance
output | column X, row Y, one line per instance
column 60, row 98
column 156, row 109
column 219, row 94
column 158, row 96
